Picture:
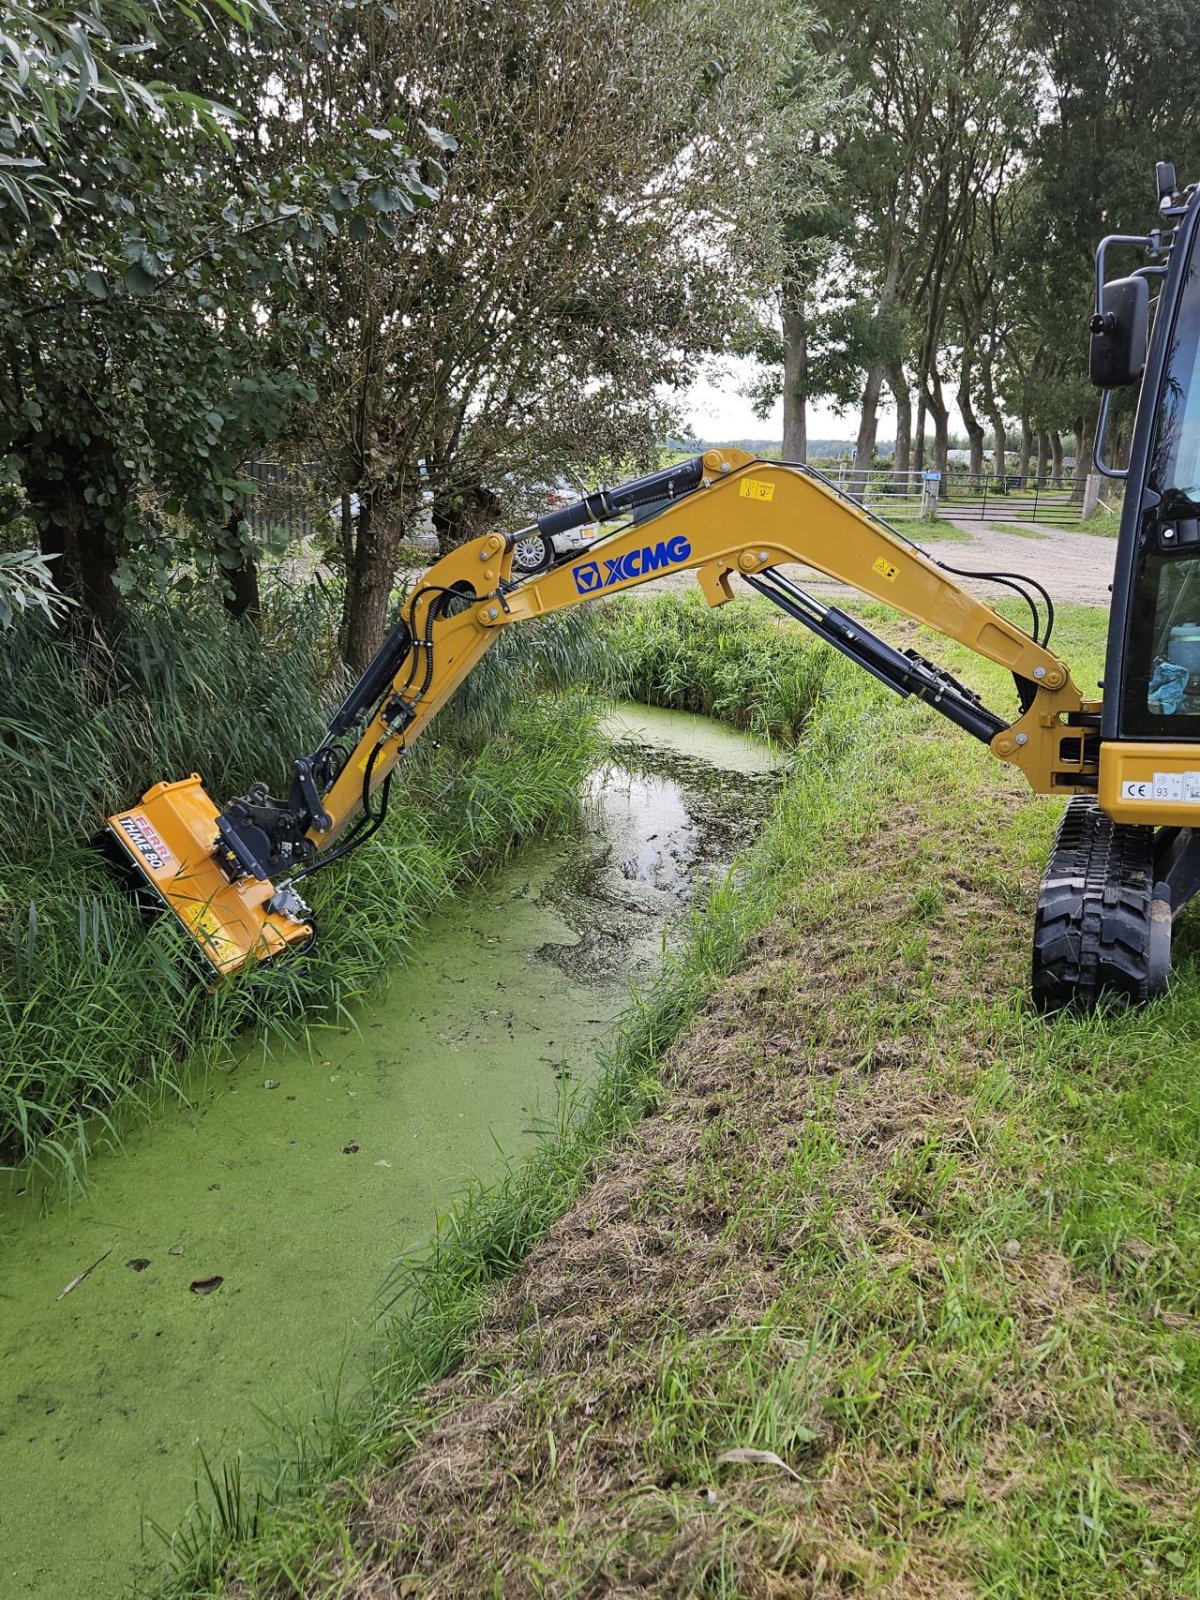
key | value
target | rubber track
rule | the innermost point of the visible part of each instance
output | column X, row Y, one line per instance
column 1091, row 937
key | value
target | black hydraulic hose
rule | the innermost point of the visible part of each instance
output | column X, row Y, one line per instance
column 1013, row 580
column 364, row 828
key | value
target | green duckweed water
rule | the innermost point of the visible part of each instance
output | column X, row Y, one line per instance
column 298, row 1178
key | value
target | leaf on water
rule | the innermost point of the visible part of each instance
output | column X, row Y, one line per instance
column 271, row 1083
column 759, row 1458
column 175, row 1250
column 350, row 1149
column 206, row 1285
column 138, row 1264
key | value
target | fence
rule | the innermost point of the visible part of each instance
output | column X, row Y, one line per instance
column 959, row 496
column 284, row 501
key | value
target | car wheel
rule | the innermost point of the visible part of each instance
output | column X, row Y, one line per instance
column 531, row 554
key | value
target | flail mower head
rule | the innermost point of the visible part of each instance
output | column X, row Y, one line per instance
column 171, row 840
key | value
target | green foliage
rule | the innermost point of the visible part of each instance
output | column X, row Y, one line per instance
column 736, row 663
column 64, row 64
column 100, row 1014
column 26, row 584
column 144, row 286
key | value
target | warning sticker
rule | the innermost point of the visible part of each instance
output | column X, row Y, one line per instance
column 145, row 841
column 886, row 569
column 1164, row 786
column 756, row 489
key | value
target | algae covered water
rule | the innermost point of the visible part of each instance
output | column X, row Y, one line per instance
column 225, row 1265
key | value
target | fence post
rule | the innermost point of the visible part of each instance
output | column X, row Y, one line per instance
column 1091, row 495
column 929, row 495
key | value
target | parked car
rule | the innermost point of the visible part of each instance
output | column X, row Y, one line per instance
column 535, row 552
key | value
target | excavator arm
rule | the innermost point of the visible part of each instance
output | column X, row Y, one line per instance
column 232, row 874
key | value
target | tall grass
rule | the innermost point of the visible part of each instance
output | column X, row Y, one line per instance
column 738, row 663
column 98, row 1013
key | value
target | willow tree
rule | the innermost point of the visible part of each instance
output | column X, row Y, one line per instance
column 605, row 219
column 143, row 233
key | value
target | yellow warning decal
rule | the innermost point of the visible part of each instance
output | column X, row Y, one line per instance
column 886, row 569
column 756, row 489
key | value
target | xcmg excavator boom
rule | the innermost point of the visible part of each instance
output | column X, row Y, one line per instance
column 1125, row 860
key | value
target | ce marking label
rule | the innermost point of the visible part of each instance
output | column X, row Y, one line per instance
column 1143, row 790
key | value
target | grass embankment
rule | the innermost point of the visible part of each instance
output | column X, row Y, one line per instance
column 736, row 664
column 100, row 1014
column 939, row 1257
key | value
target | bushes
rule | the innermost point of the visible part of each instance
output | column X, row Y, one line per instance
column 98, row 1011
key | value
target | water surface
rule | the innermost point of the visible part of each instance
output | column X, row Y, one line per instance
column 299, row 1177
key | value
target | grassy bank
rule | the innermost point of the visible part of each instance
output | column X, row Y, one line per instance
column 101, row 1015
column 734, row 663
column 441, row 1294
column 928, row 1265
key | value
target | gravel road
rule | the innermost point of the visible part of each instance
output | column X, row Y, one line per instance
column 1074, row 567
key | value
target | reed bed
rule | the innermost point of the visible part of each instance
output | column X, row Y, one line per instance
column 100, row 1014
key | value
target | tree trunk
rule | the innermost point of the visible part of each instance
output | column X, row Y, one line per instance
column 795, row 378
column 368, row 583
column 972, row 424
column 1056, row 455
column 864, row 450
column 919, row 455
column 1043, row 458
column 1000, row 436
column 941, row 431
column 347, row 529
column 1084, row 433
column 241, row 597
column 83, row 555
column 1026, row 452
column 463, row 512
column 902, row 459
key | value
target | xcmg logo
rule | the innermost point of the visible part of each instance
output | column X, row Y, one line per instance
column 633, row 564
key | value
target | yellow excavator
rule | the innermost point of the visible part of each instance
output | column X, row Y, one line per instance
column 1126, row 858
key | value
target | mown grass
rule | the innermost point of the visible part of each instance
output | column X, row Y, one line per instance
column 101, row 1015
column 938, row 1255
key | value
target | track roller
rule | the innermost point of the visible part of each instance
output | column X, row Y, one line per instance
column 1103, row 926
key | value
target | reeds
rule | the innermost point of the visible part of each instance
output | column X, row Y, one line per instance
column 98, row 1013
column 741, row 663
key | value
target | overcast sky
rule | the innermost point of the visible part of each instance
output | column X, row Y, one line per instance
column 718, row 411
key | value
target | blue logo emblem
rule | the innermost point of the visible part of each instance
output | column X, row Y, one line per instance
column 633, row 564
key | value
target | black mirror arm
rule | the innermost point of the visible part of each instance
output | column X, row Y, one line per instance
column 1148, row 241
column 1098, row 445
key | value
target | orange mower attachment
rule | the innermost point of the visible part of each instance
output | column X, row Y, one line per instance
column 169, row 839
